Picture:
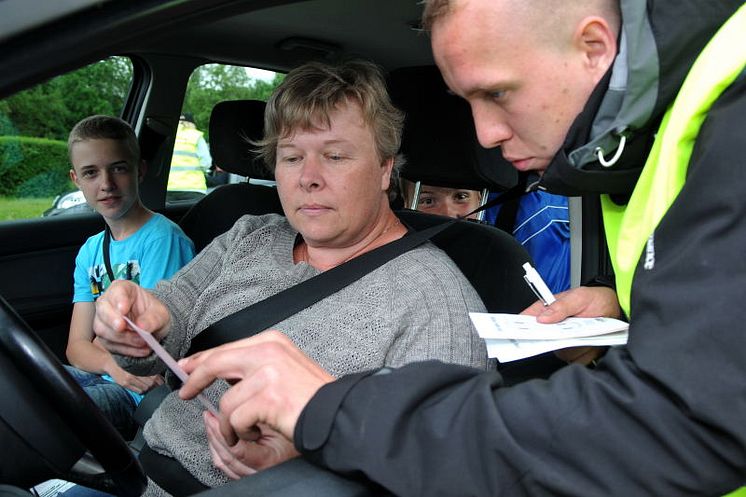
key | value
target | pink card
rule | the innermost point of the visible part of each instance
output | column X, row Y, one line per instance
column 170, row 362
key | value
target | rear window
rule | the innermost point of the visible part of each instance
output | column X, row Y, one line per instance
column 191, row 172
column 34, row 124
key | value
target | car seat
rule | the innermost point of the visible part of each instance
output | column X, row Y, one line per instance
column 490, row 259
column 440, row 146
column 439, row 139
column 233, row 124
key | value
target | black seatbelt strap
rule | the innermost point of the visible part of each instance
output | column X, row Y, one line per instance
column 105, row 249
column 275, row 308
column 505, row 219
column 270, row 311
column 169, row 474
column 508, row 196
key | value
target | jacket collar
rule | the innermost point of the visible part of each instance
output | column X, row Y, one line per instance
column 658, row 44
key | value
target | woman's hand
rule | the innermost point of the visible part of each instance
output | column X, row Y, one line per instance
column 124, row 298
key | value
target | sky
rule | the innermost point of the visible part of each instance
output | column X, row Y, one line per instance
column 260, row 74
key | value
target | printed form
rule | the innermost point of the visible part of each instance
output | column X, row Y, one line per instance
column 510, row 337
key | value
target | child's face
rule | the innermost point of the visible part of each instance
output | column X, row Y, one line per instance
column 450, row 202
column 107, row 175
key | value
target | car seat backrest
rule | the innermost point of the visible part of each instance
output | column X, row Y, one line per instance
column 233, row 125
column 439, row 140
column 490, row 259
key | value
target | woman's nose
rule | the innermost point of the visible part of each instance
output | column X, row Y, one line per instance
column 311, row 176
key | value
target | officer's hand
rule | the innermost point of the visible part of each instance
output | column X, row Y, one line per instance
column 272, row 383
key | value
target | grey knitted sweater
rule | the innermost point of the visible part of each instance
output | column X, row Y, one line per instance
column 414, row 307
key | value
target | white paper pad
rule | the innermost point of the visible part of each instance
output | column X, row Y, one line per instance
column 510, row 337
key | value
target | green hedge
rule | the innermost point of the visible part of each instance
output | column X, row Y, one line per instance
column 33, row 167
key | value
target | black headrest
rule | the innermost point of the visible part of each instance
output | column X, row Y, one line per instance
column 439, row 140
column 233, row 124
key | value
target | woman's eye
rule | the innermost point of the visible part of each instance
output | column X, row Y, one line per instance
column 335, row 157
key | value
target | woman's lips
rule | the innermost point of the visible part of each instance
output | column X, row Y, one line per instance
column 313, row 209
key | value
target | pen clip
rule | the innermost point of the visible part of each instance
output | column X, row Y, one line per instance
column 537, row 285
column 535, row 290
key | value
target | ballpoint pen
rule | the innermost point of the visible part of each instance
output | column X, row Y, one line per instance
column 537, row 285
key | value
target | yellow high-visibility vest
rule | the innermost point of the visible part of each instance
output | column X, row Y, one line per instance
column 186, row 173
column 629, row 227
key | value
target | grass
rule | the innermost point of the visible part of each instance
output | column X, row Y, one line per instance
column 23, row 208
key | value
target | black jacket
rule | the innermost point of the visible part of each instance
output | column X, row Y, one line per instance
column 664, row 416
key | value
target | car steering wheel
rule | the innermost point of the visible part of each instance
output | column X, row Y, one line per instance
column 47, row 422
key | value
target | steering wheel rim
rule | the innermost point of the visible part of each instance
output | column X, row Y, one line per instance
column 123, row 474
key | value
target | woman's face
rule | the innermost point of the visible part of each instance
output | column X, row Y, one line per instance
column 331, row 182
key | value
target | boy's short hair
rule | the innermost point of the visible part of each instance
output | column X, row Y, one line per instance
column 311, row 92
column 101, row 127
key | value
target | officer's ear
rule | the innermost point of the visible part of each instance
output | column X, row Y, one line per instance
column 597, row 42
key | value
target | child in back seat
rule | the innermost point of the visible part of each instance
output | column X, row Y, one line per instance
column 137, row 245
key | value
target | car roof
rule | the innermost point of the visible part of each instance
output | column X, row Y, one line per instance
column 274, row 35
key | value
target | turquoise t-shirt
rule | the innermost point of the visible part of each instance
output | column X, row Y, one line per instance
column 153, row 253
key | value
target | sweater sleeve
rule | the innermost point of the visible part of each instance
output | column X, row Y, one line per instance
column 182, row 291
column 662, row 416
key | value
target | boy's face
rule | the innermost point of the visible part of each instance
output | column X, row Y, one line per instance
column 449, row 202
column 107, row 175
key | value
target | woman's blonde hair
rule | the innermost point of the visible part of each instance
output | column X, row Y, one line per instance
column 311, row 92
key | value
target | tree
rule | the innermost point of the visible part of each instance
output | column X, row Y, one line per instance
column 34, row 124
column 51, row 109
column 48, row 111
column 213, row 83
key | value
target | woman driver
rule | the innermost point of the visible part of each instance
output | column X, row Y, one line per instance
column 331, row 136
